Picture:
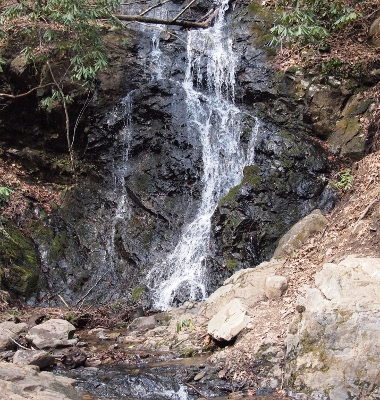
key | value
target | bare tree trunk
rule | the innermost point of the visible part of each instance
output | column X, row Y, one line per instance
column 150, row 20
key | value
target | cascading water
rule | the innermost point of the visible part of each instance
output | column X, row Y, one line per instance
column 213, row 115
column 122, row 111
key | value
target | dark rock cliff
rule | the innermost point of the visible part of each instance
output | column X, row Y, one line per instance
column 120, row 217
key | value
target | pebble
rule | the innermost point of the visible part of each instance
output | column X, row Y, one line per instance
column 222, row 374
column 300, row 308
column 92, row 363
column 199, row 376
column 235, row 395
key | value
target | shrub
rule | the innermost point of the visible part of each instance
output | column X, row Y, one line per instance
column 309, row 21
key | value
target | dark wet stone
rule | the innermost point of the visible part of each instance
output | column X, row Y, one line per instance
column 73, row 357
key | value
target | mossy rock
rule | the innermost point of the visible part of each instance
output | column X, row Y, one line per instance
column 250, row 176
column 137, row 293
column 230, row 196
column 261, row 27
column 55, row 244
column 231, row 265
column 19, row 261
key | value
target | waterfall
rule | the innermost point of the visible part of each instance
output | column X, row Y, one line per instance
column 123, row 111
column 216, row 119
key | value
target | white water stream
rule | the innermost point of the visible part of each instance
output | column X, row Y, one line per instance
column 214, row 116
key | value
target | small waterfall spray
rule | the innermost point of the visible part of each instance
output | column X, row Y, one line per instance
column 122, row 111
column 156, row 55
column 213, row 115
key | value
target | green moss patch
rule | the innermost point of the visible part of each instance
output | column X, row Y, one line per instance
column 231, row 265
column 19, row 261
column 251, row 175
column 137, row 293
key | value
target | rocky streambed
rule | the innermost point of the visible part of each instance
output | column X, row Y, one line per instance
column 313, row 335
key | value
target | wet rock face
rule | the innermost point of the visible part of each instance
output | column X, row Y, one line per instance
column 143, row 169
column 286, row 181
column 151, row 185
column 19, row 261
column 283, row 186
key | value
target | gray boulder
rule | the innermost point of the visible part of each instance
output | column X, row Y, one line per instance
column 229, row 321
column 40, row 358
column 299, row 233
column 52, row 333
column 247, row 285
column 374, row 33
column 8, row 331
column 335, row 345
column 26, row 382
column 275, row 286
column 143, row 323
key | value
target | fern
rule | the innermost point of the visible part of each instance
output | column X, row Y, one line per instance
column 5, row 192
column 310, row 21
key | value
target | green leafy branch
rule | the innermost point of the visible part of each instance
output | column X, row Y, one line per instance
column 343, row 181
column 71, row 29
column 309, row 21
column 5, row 192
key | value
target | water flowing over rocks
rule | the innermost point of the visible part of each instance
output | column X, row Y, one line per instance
column 119, row 232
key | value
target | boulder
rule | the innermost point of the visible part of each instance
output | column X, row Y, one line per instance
column 247, row 285
column 53, row 333
column 40, row 358
column 73, row 357
column 299, row 233
column 143, row 323
column 26, row 382
column 229, row 321
column 14, row 327
column 275, row 286
column 335, row 346
column 6, row 342
column 8, row 331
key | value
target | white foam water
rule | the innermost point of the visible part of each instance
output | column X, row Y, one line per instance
column 211, row 62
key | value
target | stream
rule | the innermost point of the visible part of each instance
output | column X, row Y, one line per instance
column 160, row 380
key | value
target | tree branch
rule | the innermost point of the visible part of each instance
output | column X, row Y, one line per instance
column 67, row 118
column 196, row 390
column 149, row 20
column 184, row 10
column 153, row 7
column 15, row 96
